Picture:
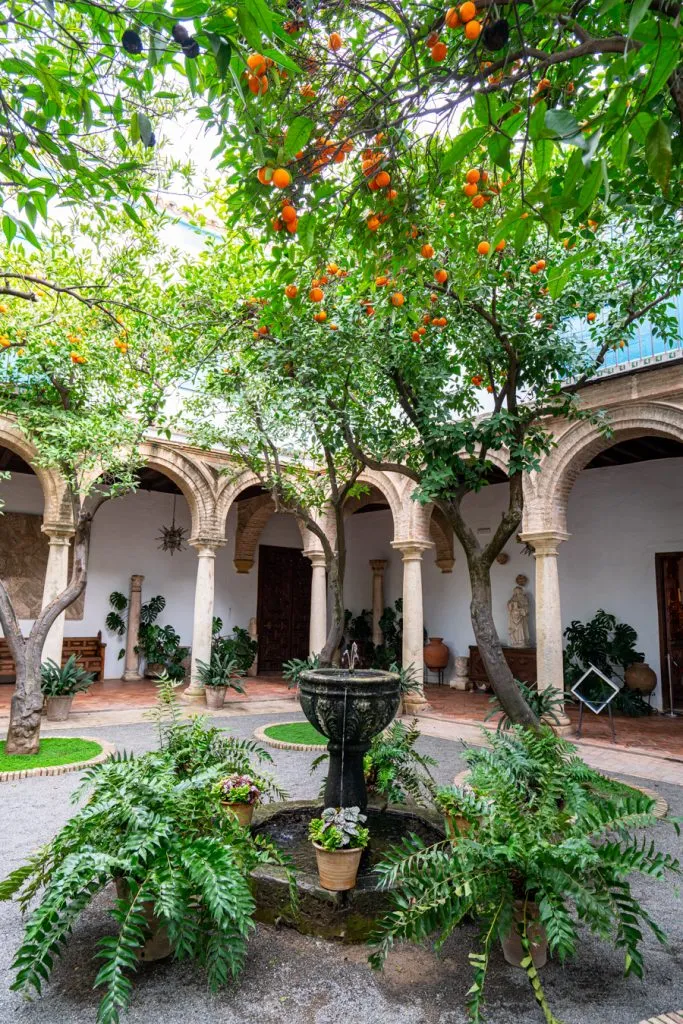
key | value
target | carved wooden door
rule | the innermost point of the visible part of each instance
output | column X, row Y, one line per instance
column 284, row 606
column 670, row 600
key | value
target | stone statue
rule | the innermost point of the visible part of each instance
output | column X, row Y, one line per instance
column 518, row 615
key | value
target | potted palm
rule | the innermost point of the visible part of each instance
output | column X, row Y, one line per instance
column 240, row 794
column 552, row 846
column 339, row 839
column 60, row 684
column 222, row 672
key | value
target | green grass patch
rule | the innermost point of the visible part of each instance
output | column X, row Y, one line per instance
column 53, row 752
column 296, row 732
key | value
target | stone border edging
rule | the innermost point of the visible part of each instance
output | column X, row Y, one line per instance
column 260, row 734
column 62, row 769
column 660, row 809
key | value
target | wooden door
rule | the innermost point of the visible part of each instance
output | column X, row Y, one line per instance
column 669, row 569
column 284, row 606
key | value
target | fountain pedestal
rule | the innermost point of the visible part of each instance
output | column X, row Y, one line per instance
column 349, row 706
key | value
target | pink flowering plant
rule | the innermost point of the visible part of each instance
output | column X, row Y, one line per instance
column 240, row 789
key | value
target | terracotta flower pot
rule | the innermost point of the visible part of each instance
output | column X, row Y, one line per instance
column 512, row 943
column 436, row 653
column 243, row 812
column 641, row 678
column 153, row 670
column 157, row 946
column 57, row 708
column 214, row 696
column 337, row 869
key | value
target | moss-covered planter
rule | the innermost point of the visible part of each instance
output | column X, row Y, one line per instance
column 346, row 916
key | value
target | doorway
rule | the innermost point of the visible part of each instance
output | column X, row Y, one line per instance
column 284, row 606
column 669, row 569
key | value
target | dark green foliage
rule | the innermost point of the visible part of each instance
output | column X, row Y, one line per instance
column 238, row 647
column 64, row 680
column 292, row 670
column 160, row 645
column 222, row 670
column 609, row 645
column 153, row 823
column 547, row 704
column 340, row 828
column 548, row 830
column 359, row 628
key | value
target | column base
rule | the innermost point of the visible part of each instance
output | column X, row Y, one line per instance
column 193, row 694
column 415, row 706
column 131, row 676
column 458, row 683
column 563, row 726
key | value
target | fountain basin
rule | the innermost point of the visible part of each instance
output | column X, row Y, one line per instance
column 347, row 916
column 349, row 707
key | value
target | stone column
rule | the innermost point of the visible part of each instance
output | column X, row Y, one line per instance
column 413, row 617
column 131, row 671
column 203, row 612
column 318, row 625
column 549, row 666
column 378, row 565
column 56, row 580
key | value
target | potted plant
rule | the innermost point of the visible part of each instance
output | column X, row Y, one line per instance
column 150, row 826
column 223, row 671
column 238, row 646
column 551, row 849
column 60, row 684
column 240, row 794
column 339, row 839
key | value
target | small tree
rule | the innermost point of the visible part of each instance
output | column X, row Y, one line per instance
column 83, row 386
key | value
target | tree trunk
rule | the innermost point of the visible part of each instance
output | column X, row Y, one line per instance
column 23, row 735
column 500, row 676
column 335, row 578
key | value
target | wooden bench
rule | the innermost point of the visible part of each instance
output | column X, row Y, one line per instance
column 672, row 1017
column 89, row 652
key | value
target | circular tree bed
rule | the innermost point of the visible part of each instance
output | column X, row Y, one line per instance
column 57, row 755
column 291, row 736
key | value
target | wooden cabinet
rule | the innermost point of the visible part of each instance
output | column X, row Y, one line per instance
column 522, row 662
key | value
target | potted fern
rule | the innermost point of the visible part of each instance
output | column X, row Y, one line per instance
column 552, row 844
column 221, row 673
column 60, row 684
column 239, row 794
column 150, row 826
column 339, row 839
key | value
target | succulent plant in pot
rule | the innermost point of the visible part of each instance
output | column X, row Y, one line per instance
column 60, row 684
column 240, row 794
column 220, row 674
column 339, row 839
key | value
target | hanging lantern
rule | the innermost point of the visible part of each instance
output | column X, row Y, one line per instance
column 172, row 537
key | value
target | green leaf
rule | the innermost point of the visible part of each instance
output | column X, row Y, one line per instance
column 592, row 143
column 564, row 125
column 132, row 214
column 283, row 60
column 658, row 152
column 223, row 57
column 590, row 188
column 664, row 64
column 638, row 11
column 462, row 147
column 537, row 123
column 499, row 150
column 543, row 155
column 250, row 29
column 145, row 128
column 9, row 228
column 298, row 134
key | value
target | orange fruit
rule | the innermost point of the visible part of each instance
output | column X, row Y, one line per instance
column 426, row 319
column 397, row 299
column 501, row 245
column 484, row 247
column 320, row 317
column 427, row 251
column 470, row 189
column 473, row 176
column 291, row 291
column 452, row 20
column 432, row 39
column 439, row 52
column 591, row 317
column 467, row 11
column 533, row 269
column 441, row 276
column 256, row 64
column 478, row 201
column 370, row 310
column 292, row 226
column 288, row 213
column 333, row 327
column 263, row 330
column 489, row 388
column 277, row 224
column 261, row 175
column 281, row 178
column 383, row 179
column 472, row 30
column 545, row 83
column 477, row 379
column 538, row 316
column 421, row 331
column 392, row 194
column 415, row 336
column 381, row 281
column 433, row 297
column 332, row 268
column 541, row 264
column 316, row 295
column 373, row 222
column 334, row 41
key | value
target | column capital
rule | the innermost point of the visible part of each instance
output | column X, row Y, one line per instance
column 243, row 565
column 316, row 558
column 445, row 564
column 412, row 550
column 58, row 533
column 206, row 546
column 136, row 582
column 545, row 542
column 378, row 565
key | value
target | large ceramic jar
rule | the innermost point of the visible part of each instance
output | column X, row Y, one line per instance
column 436, row 653
column 640, row 677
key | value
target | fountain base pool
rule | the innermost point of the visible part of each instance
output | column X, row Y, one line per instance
column 346, row 916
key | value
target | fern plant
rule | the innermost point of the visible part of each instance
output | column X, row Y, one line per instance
column 551, row 838
column 159, row 832
column 547, row 704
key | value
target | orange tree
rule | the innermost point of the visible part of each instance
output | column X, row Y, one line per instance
column 438, row 350
column 85, row 371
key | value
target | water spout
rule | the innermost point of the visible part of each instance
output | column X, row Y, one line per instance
column 352, row 659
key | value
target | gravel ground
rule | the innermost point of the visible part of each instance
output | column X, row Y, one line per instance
column 308, row 981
